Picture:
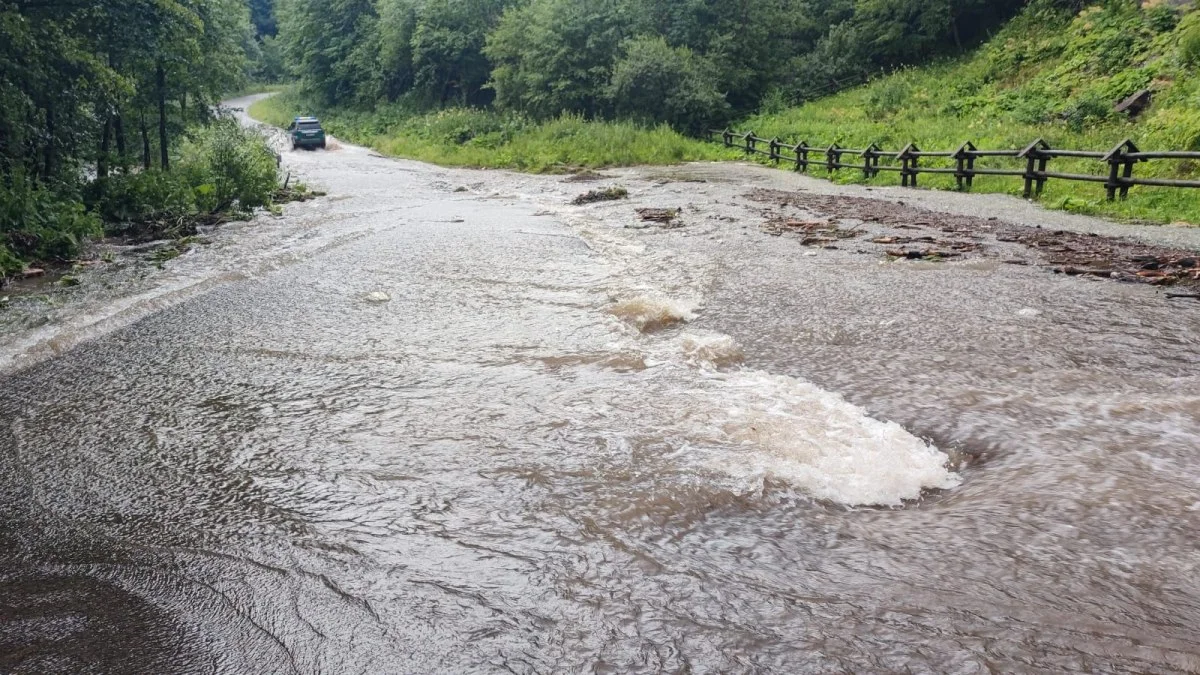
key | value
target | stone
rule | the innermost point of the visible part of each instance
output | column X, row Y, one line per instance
column 1135, row 104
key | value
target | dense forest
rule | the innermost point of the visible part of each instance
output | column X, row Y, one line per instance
column 689, row 62
column 106, row 116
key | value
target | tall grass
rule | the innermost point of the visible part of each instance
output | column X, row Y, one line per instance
column 1045, row 76
column 487, row 139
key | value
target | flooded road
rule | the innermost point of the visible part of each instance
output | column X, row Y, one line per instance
column 450, row 423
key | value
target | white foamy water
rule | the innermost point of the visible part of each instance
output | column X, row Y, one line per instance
column 711, row 349
column 649, row 313
column 751, row 425
column 790, row 430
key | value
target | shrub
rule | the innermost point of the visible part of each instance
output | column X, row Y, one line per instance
column 655, row 82
column 230, row 168
column 139, row 197
column 40, row 224
column 1189, row 46
column 1162, row 18
column 888, row 96
column 222, row 167
column 9, row 262
column 1086, row 111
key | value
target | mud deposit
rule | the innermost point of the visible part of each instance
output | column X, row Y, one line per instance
column 918, row 233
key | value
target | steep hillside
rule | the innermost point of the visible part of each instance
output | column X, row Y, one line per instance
column 1047, row 74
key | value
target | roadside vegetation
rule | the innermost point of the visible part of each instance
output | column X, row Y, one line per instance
column 489, row 139
column 558, row 85
column 108, row 123
column 550, row 85
column 1049, row 74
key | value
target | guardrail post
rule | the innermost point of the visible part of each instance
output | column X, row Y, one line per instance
column 833, row 157
column 870, row 161
column 1120, row 169
column 964, row 171
column 908, row 165
column 1035, row 166
column 1043, row 159
column 1127, row 174
column 802, row 156
column 1037, row 155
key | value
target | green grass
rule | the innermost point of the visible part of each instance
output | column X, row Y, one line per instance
column 1044, row 76
column 256, row 88
column 486, row 139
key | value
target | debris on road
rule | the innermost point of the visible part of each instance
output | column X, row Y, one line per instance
column 929, row 254
column 1062, row 252
column 585, row 176
column 814, row 232
column 663, row 216
column 605, row 195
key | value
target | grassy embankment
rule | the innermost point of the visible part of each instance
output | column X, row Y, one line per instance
column 486, row 139
column 1045, row 75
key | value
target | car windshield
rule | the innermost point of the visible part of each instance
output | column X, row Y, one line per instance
column 308, row 126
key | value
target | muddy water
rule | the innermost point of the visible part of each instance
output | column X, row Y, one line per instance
column 459, row 426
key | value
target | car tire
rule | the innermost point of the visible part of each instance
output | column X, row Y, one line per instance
column 322, row 144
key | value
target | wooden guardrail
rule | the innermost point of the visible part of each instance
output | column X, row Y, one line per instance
column 1117, row 180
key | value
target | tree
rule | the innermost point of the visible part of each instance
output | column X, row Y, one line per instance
column 658, row 83
column 394, row 36
column 262, row 15
column 329, row 44
column 447, row 49
column 556, row 56
column 74, row 76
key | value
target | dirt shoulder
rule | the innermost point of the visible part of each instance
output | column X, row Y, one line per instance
column 913, row 233
column 929, row 226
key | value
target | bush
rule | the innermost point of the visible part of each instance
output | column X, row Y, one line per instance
column 230, row 168
column 654, row 82
column 1189, row 46
column 888, row 96
column 1162, row 18
column 1087, row 111
column 37, row 223
column 9, row 262
column 140, row 197
column 222, row 167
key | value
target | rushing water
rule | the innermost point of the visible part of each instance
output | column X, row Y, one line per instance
column 485, row 432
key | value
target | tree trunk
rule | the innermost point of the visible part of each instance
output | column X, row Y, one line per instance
column 164, row 157
column 146, row 159
column 48, row 151
column 102, row 160
column 119, row 129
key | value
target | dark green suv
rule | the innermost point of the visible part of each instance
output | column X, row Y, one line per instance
column 307, row 133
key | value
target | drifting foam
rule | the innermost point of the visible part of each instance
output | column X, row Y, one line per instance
column 649, row 313
column 820, row 443
column 714, row 349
